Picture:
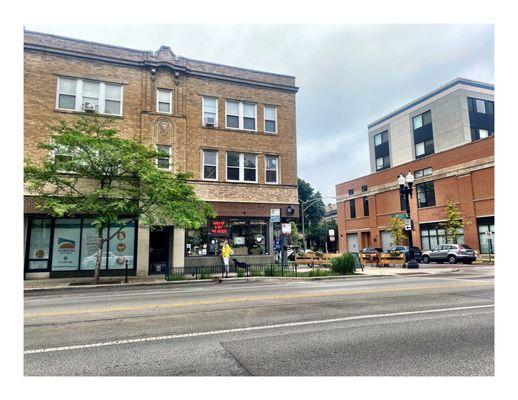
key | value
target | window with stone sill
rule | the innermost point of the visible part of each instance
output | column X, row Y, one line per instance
column 83, row 95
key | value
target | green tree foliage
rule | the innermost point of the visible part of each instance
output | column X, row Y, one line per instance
column 295, row 235
column 453, row 221
column 396, row 229
column 307, row 195
column 90, row 170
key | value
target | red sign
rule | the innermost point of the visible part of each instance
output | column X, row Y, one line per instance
column 218, row 228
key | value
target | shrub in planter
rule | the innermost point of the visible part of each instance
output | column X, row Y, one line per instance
column 343, row 264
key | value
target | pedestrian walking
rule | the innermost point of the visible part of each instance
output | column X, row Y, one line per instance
column 226, row 252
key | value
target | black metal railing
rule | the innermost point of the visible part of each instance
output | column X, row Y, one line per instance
column 266, row 270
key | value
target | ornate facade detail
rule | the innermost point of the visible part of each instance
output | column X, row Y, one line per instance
column 164, row 130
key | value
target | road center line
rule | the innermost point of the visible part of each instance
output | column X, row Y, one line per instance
column 248, row 329
column 230, row 300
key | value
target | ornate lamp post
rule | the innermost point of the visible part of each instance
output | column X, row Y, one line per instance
column 405, row 191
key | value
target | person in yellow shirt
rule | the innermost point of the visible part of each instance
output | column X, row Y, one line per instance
column 226, row 252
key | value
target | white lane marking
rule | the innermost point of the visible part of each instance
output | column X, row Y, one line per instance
column 247, row 329
column 483, row 279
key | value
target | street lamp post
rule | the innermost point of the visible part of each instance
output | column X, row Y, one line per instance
column 405, row 191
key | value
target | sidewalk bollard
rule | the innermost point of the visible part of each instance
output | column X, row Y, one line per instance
column 126, row 271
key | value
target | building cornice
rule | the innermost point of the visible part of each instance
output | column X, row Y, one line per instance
column 414, row 103
column 147, row 63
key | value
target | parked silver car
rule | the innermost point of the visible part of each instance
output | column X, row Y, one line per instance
column 451, row 253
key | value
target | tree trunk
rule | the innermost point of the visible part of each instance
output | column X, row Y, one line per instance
column 98, row 259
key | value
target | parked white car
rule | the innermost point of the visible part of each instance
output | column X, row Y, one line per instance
column 114, row 261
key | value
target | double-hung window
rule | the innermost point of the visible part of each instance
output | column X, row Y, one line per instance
column 423, row 172
column 381, row 150
column 164, row 101
column 425, row 194
column 423, row 134
column 272, row 169
column 381, row 138
column 210, row 111
column 210, row 165
column 163, row 161
column 480, row 106
column 424, row 148
column 352, row 208
column 241, row 115
column 241, row 167
column 481, row 118
column 270, row 119
column 88, row 96
column 382, row 163
column 365, row 206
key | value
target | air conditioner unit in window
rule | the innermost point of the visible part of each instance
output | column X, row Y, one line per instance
column 89, row 107
column 210, row 121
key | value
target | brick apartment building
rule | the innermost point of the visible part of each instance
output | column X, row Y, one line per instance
column 446, row 139
column 232, row 128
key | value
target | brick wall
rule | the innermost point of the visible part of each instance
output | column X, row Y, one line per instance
column 48, row 56
column 464, row 175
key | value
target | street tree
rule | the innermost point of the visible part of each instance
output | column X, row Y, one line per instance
column 90, row 170
column 396, row 229
column 307, row 195
column 452, row 221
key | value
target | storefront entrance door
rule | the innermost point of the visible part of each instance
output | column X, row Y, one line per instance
column 159, row 251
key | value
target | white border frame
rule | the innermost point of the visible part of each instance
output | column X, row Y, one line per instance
column 240, row 116
column 79, row 96
column 278, row 174
column 170, row 157
column 202, row 172
column 170, row 101
column 242, row 167
column 276, row 120
column 203, row 110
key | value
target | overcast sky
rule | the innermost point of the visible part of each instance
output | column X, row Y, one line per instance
column 349, row 75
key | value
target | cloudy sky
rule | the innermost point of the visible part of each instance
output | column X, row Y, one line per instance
column 349, row 75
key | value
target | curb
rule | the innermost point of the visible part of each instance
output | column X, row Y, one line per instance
column 129, row 286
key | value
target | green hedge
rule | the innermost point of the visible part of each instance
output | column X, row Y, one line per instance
column 343, row 264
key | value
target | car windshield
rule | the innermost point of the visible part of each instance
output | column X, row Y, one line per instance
column 465, row 246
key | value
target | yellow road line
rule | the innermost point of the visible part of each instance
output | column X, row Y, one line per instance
column 228, row 300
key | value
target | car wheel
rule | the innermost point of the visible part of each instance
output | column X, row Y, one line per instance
column 425, row 259
column 452, row 259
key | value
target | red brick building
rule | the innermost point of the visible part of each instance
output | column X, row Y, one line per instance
column 464, row 174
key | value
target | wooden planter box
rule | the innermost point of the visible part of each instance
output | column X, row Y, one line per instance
column 392, row 260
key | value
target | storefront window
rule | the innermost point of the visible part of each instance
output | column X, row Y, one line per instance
column 432, row 235
column 67, row 238
column 246, row 236
column 486, row 225
column 89, row 246
column 39, row 243
column 122, row 246
column 196, row 242
column 74, row 245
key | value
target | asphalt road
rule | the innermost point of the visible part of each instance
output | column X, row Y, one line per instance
column 432, row 325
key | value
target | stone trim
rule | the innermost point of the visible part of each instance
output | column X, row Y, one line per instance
column 158, row 64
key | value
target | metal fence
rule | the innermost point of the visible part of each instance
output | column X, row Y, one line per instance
column 211, row 272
